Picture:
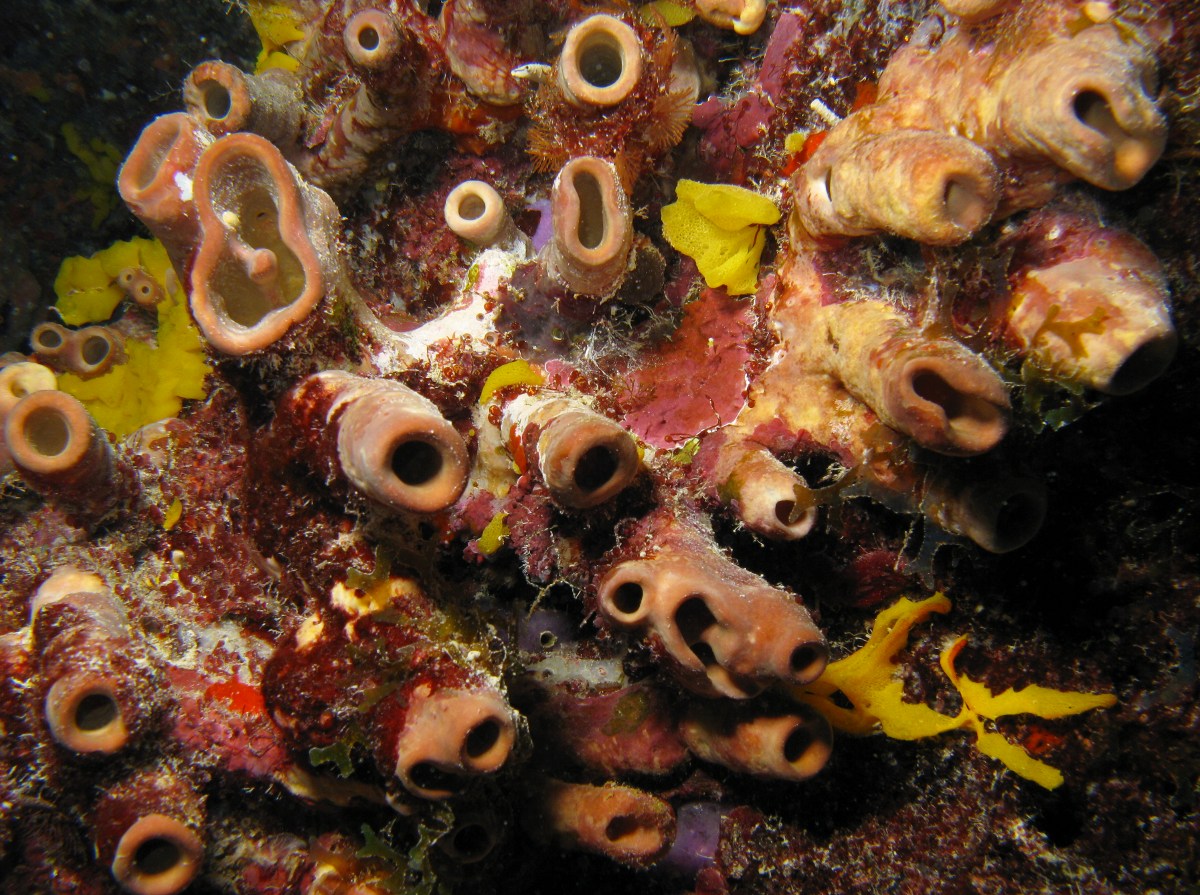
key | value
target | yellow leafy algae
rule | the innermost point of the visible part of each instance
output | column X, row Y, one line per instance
column 517, row 372
column 720, row 227
column 153, row 382
column 87, row 288
column 173, row 514
column 278, row 25
column 495, row 533
column 867, row 679
column 671, row 14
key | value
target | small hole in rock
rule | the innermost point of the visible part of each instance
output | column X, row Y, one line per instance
column 963, row 204
column 472, row 841
column 621, row 827
column 482, row 738
column 218, row 102
column 425, row 775
column 593, row 218
column 47, row 432
column 805, row 657
column 1017, row 520
column 95, row 349
column 796, row 744
column 601, row 62
column 694, row 618
column 368, row 38
column 1143, row 366
column 472, row 208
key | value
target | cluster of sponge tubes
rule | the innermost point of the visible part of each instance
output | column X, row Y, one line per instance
column 256, row 242
column 970, row 126
column 253, row 235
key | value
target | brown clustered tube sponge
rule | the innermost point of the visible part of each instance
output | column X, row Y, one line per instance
column 722, row 630
column 386, row 440
column 971, row 121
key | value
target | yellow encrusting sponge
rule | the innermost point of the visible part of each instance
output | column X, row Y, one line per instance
column 153, row 382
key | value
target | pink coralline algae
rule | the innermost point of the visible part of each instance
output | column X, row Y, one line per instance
column 479, row 551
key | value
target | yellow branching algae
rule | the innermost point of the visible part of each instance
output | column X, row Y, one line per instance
column 152, row 384
column 867, row 679
column 721, row 228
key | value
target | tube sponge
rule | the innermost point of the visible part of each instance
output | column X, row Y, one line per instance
column 152, row 384
column 721, row 228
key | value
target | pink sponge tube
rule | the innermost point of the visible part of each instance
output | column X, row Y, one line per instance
column 1097, row 313
column 99, row 694
column 450, row 736
column 620, row 822
column 156, row 183
column 1086, row 104
column 789, row 745
column 723, row 630
column 593, row 228
column 584, row 458
column 266, row 249
column 766, row 495
column 933, row 388
column 388, row 441
column 227, row 100
column 148, row 829
column 61, row 453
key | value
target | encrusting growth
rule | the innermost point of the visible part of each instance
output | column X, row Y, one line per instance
column 521, row 456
